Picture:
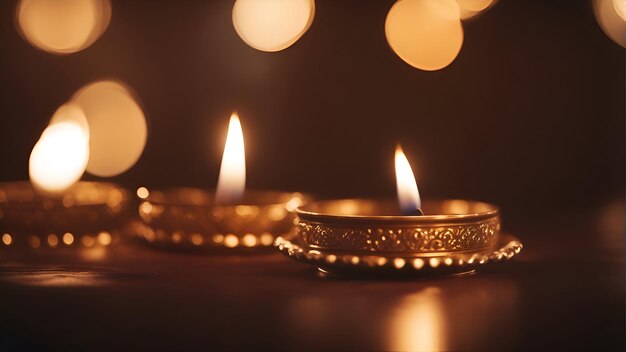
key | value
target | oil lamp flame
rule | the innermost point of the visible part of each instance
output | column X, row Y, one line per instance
column 408, row 195
column 60, row 157
column 232, row 179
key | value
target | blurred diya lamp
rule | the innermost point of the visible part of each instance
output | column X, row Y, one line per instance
column 381, row 237
column 230, row 217
column 190, row 218
column 54, row 209
column 88, row 214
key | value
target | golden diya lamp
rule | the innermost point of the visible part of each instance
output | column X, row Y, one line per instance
column 55, row 209
column 366, row 236
column 88, row 214
column 231, row 217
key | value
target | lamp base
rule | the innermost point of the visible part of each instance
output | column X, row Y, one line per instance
column 400, row 263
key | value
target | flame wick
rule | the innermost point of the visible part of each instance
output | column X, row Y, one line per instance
column 408, row 194
column 232, row 179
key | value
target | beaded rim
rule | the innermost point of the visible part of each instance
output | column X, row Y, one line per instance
column 89, row 214
column 186, row 218
column 102, row 238
column 196, row 240
column 397, row 263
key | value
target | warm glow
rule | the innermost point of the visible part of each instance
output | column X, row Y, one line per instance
column 266, row 239
column 231, row 241
column 34, row 241
column 104, row 238
column 68, row 238
column 88, row 241
column 62, row 26
column 55, row 278
column 53, row 240
column 474, row 5
column 197, row 239
column 59, row 158
column 620, row 8
column 408, row 195
column 143, row 193
column 249, row 240
column 272, row 25
column 610, row 15
column 117, row 126
column 232, row 179
column 426, row 34
column 470, row 8
column 418, row 323
column 71, row 112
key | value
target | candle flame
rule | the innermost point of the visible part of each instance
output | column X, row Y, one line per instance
column 408, row 195
column 60, row 157
column 232, row 179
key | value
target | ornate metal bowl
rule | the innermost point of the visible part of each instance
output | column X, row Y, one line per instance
column 353, row 235
column 88, row 213
column 188, row 218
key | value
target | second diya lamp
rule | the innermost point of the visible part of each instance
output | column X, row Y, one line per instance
column 88, row 214
column 228, row 218
column 55, row 209
column 361, row 236
column 190, row 218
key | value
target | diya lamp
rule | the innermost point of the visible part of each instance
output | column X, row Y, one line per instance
column 229, row 217
column 368, row 236
column 55, row 209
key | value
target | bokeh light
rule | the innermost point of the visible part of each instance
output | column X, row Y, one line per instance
column 62, row 26
column 620, row 8
column 117, row 126
column 68, row 238
column 471, row 8
column 610, row 17
column 272, row 25
column 426, row 34
column 104, row 238
column 59, row 158
column 71, row 112
column 53, row 240
column 142, row 192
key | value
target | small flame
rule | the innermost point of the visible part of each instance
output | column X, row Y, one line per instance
column 60, row 157
column 232, row 179
column 408, row 195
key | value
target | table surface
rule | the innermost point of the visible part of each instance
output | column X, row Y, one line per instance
column 565, row 291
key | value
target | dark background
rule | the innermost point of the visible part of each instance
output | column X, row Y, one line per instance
column 529, row 116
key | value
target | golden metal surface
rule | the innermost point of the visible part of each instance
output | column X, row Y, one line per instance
column 407, row 263
column 357, row 225
column 188, row 218
column 89, row 214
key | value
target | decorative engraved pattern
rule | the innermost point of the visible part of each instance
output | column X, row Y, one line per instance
column 413, row 238
column 398, row 263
